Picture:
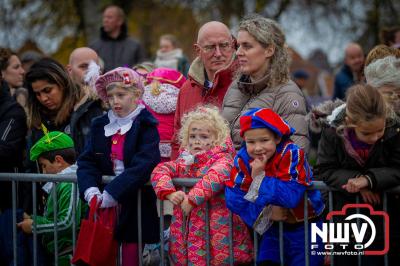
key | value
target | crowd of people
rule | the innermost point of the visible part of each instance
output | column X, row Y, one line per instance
column 232, row 118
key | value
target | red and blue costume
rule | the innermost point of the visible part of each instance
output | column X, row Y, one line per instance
column 287, row 176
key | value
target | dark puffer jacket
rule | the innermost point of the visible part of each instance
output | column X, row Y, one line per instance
column 13, row 129
column 81, row 120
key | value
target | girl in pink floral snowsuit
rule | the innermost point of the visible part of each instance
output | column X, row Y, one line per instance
column 206, row 154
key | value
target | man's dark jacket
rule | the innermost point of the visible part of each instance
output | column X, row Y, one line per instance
column 122, row 51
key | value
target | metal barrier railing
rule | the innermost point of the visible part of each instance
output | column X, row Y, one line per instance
column 182, row 182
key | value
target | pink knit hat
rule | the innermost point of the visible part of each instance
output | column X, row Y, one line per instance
column 166, row 76
column 124, row 77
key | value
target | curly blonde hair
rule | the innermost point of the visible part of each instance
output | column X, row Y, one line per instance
column 210, row 115
column 268, row 32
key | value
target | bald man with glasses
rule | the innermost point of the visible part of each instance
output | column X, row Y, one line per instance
column 209, row 75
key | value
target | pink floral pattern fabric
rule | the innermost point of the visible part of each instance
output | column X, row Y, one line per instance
column 188, row 236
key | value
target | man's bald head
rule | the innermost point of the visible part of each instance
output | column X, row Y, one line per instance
column 213, row 27
column 354, row 57
column 79, row 61
column 214, row 47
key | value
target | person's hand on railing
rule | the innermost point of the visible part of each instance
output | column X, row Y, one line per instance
column 26, row 225
column 354, row 185
column 176, row 197
column 186, row 206
column 370, row 197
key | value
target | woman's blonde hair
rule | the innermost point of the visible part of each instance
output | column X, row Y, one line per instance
column 268, row 32
column 207, row 114
column 364, row 104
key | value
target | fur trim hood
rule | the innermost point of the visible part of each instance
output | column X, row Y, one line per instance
column 333, row 113
column 328, row 113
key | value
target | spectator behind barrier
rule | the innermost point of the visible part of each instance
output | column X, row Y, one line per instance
column 89, row 105
column 114, row 46
column 205, row 154
column 11, row 70
column 169, row 55
column 210, row 73
column 268, row 182
column 263, row 79
column 359, row 155
column 124, row 142
column 56, row 154
column 351, row 72
column 383, row 74
column 13, row 131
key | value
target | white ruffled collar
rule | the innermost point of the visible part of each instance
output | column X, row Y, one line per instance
column 121, row 123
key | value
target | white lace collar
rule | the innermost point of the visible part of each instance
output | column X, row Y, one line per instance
column 121, row 123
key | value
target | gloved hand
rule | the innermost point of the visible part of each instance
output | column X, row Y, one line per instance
column 108, row 200
column 91, row 192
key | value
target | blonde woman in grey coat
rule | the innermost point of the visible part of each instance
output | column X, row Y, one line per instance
column 263, row 79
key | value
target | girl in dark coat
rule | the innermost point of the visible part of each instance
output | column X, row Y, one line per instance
column 124, row 142
column 359, row 155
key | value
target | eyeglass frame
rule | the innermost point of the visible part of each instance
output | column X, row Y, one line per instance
column 212, row 48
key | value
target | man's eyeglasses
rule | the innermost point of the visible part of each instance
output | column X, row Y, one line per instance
column 223, row 47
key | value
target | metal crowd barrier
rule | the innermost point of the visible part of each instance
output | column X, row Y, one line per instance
column 183, row 182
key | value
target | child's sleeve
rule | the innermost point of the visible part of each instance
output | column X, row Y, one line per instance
column 64, row 212
column 235, row 201
column 161, row 179
column 247, row 210
column 88, row 173
column 329, row 165
column 212, row 183
column 287, row 188
column 137, row 172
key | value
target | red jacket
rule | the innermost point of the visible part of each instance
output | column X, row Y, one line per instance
column 193, row 93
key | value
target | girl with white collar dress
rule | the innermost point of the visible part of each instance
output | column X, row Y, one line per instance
column 124, row 142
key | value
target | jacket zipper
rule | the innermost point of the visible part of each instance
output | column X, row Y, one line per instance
column 8, row 129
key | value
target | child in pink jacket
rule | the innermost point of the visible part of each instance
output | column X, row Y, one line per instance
column 206, row 153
